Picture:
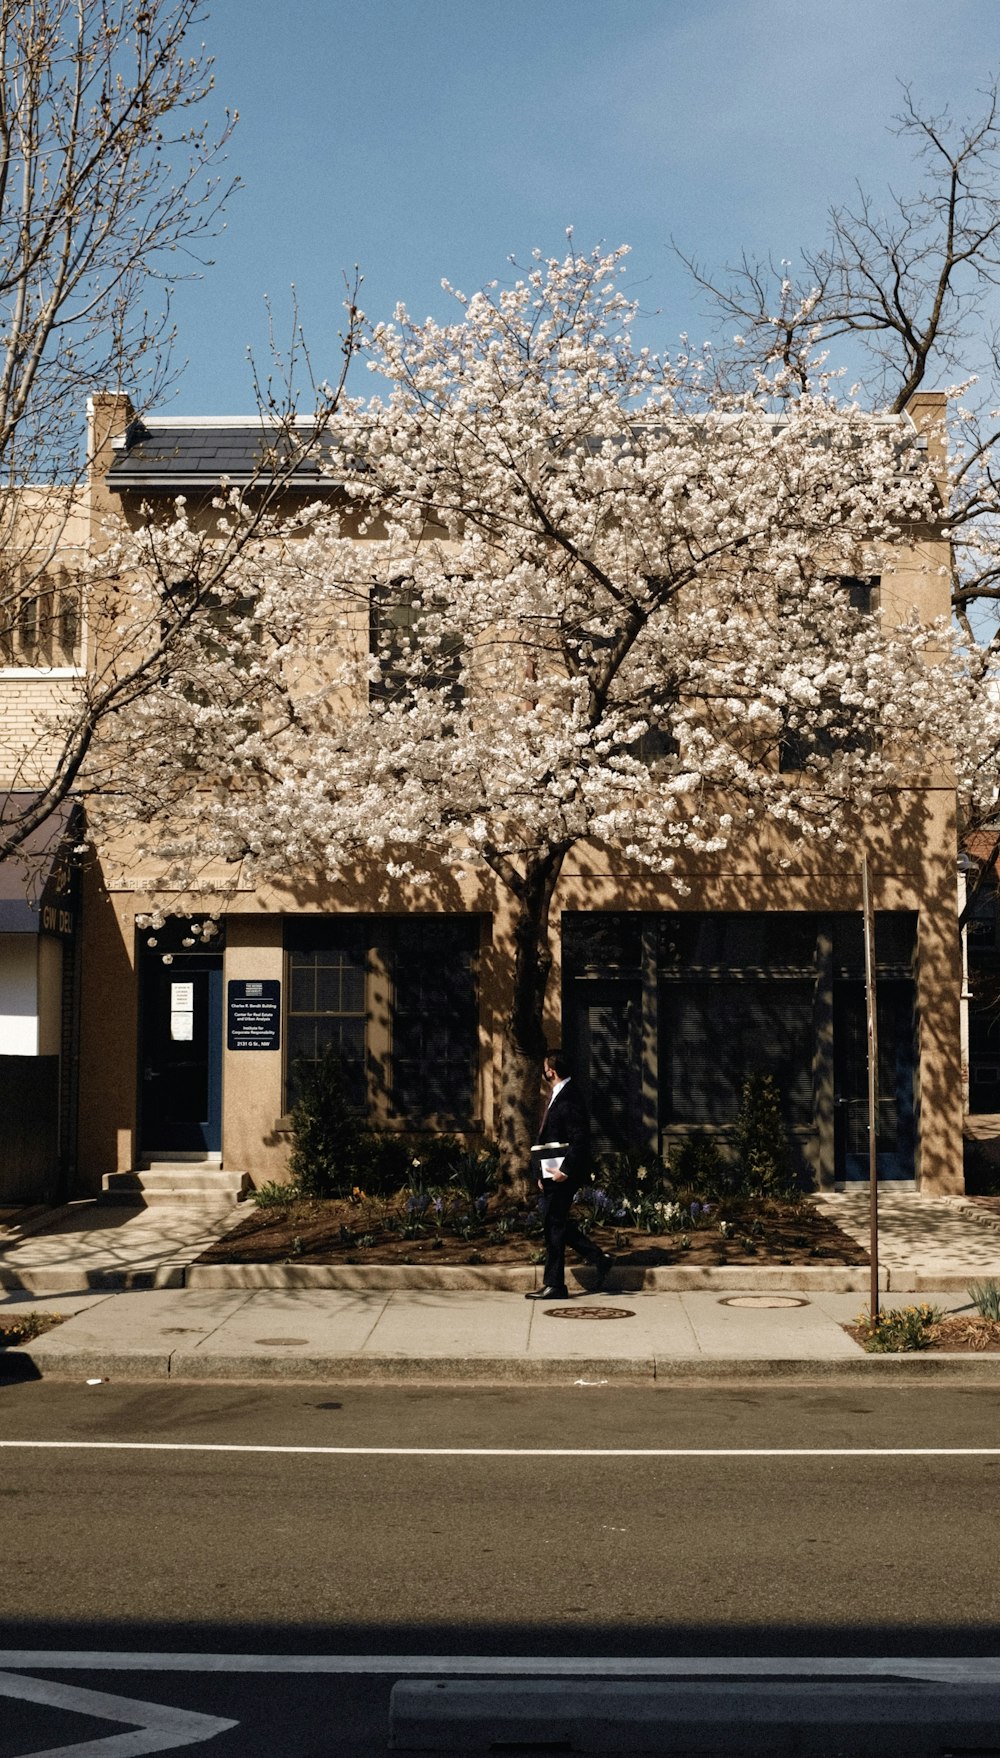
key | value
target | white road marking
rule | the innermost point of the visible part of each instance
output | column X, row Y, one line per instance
column 517, row 1452
column 155, row 1726
column 976, row 1670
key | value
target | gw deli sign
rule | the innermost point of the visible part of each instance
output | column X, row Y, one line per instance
column 57, row 919
column 253, row 1015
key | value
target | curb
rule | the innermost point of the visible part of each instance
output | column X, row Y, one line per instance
column 497, row 1279
column 368, row 1278
column 55, row 1363
column 61, row 1279
column 501, row 1278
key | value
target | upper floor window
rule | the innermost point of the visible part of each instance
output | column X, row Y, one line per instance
column 658, row 741
column 862, row 591
column 218, row 655
column 409, row 638
column 801, row 749
column 40, row 623
column 804, row 747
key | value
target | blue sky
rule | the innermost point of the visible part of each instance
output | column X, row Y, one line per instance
column 430, row 138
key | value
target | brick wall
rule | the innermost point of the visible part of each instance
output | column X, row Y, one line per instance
column 29, row 741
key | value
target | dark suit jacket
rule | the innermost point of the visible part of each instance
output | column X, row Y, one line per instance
column 567, row 1120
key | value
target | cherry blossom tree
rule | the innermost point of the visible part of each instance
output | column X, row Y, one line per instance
column 565, row 594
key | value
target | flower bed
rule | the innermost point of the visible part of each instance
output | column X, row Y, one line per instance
column 443, row 1228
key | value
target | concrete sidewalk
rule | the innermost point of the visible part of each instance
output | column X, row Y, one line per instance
column 429, row 1336
column 485, row 1337
column 138, row 1308
column 93, row 1245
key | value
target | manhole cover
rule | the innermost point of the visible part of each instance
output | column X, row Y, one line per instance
column 762, row 1300
column 280, row 1342
column 588, row 1312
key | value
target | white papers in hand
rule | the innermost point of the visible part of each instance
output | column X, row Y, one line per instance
column 552, row 1155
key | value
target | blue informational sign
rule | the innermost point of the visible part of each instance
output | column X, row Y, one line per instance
column 253, row 1014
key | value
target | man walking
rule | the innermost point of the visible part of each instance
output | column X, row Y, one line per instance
column 565, row 1128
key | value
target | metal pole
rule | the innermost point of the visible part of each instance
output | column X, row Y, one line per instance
column 870, row 1007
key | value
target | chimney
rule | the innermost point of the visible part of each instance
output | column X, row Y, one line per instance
column 928, row 410
column 108, row 415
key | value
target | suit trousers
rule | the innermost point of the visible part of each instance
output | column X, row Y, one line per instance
column 561, row 1230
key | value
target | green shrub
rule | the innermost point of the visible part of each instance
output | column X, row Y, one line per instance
column 382, row 1162
column 898, row 1330
column 436, row 1156
column 697, row 1166
column 632, row 1175
column 630, row 1186
column 985, row 1297
column 389, row 1160
column 474, row 1173
column 765, row 1160
column 326, row 1131
column 640, row 1190
column 275, row 1196
column 982, row 1171
column 333, row 1154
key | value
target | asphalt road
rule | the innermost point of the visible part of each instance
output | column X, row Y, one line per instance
column 168, row 1547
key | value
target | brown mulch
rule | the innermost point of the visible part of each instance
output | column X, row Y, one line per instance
column 964, row 1334
column 344, row 1232
column 23, row 1330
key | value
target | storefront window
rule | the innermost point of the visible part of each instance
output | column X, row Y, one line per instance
column 397, row 997
column 435, row 1048
column 717, row 1033
column 327, row 962
column 667, row 1013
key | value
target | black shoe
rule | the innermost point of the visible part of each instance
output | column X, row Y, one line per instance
column 602, row 1269
column 548, row 1294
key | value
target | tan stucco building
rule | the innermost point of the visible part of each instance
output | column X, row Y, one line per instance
column 186, row 1032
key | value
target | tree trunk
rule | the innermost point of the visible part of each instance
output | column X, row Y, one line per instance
column 524, row 1038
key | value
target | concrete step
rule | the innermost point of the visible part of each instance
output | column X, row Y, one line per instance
column 211, row 1179
column 197, row 1158
column 201, row 1186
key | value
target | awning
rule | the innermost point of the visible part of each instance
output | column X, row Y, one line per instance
column 37, row 893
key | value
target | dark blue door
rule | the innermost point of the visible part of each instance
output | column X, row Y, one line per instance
column 181, row 1070
column 604, row 1033
column 897, row 1069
